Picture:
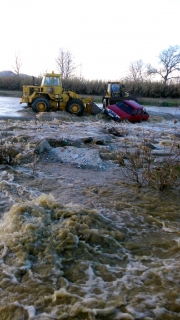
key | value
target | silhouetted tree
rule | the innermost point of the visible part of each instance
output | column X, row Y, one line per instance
column 136, row 71
column 170, row 62
column 17, row 65
column 17, row 69
column 65, row 63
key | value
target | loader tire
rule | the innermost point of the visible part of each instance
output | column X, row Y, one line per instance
column 41, row 105
column 75, row 106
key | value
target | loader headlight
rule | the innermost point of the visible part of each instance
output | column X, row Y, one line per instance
column 56, row 96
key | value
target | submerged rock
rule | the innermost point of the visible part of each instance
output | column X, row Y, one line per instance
column 82, row 157
column 42, row 147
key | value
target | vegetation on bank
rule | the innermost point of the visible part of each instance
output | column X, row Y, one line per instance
column 140, row 167
column 166, row 102
column 10, row 93
column 147, row 92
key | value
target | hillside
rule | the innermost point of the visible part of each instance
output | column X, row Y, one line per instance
column 6, row 73
column 9, row 73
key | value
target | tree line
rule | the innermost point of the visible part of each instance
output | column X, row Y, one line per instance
column 139, row 88
column 142, row 80
column 146, row 89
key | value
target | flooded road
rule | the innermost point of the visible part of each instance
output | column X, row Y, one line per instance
column 10, row 106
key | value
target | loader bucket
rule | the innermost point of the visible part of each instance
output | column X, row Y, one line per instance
column 92, row 108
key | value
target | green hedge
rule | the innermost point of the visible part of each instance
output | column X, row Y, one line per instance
column 146, row 89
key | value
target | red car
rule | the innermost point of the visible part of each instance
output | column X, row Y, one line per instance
column 129, row 110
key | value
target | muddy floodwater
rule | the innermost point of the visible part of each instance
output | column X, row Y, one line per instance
column 11, row 106
column 78, row 239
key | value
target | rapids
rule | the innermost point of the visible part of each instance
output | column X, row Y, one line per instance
column 65, row 262
column 85, row 243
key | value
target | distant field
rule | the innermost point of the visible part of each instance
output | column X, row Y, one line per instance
column 98, row 99
column 9, row 93
column 149, row 101
column 159, row 102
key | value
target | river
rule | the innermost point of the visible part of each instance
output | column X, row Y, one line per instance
column 10, row 106
column 85, row 244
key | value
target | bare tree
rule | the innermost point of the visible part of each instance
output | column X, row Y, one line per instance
column 170, row 62
column 65, row 63
column 18, row 64
column 136, row 71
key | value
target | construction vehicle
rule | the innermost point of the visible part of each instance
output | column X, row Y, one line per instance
column 115, row 93
column 50, row 95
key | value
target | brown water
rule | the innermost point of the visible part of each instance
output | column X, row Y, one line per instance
column 65, row 262
column 85, row 244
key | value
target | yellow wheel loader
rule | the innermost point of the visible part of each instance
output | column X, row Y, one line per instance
column 50, row 95
column 115, row 93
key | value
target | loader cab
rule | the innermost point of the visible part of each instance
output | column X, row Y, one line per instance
column 51, row 80
column 56, row 81
column 47, row 81
column 115, row 89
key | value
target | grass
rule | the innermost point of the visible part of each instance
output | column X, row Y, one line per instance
column 10, row 93
column 168, row 102
column 96, row 99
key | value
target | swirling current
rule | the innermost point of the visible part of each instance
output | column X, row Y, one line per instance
column 81, row 243
column 65, row 262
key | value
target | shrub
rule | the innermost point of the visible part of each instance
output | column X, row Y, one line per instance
column 140, row 168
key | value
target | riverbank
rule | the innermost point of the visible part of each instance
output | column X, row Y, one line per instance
column 159, row 102
column 10, row 93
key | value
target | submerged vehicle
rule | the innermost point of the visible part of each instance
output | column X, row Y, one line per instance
column 129, row 110
column 50, row 95
column 111, row 114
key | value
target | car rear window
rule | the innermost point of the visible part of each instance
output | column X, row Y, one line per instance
column 123, row 106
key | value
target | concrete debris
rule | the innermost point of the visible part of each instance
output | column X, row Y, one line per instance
column 77, row 156
column 42, row 147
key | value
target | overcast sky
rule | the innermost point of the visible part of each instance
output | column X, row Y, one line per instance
column 104, row 36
